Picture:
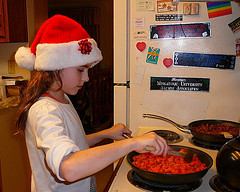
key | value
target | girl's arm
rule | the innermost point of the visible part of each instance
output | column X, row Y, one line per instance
column 84, row 163
column 114, row 133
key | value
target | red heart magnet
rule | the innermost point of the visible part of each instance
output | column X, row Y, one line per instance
column 141, row 46
column 167, row 62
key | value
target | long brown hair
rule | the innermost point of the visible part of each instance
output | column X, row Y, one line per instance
column 38, row 85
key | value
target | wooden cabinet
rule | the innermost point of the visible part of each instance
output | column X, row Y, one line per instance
column 15, row 166
column 1, row 189
column 3, row 21
column 13, row 21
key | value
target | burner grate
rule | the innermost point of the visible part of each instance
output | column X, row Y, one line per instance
column 206, row 145
column 169, row 136
column 147, row 185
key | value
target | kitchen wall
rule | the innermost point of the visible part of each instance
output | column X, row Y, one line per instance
column 7, row 51
column 36, row 14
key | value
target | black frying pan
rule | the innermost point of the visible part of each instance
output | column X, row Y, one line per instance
column 171, row 179
column 217, row 139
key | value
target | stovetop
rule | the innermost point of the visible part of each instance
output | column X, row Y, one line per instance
column 122, row 184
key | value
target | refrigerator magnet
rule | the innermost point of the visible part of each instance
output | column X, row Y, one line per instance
column 190, row 9
column 153, row 54
column 141, row 46
column 166, row 6
column 217, row 61
column 217, row 9
column 235, row 25
column 167, row 62
column 238, row 47
column 186, row 9
column 185, row 84
column 180, row 30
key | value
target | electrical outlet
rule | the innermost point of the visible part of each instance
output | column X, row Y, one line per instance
column 11, row 67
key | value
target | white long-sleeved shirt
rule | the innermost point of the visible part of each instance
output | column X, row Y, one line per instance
column 53, row 130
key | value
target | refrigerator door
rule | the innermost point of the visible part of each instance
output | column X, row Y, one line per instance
column 181, row 106
column 120, row 105
column 121, row 74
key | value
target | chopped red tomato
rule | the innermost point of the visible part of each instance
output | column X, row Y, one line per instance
column 170, row 164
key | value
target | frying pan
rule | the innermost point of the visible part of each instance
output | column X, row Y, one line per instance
column 216, row 139
column 171, row 178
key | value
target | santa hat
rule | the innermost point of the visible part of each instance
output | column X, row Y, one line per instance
column 60, row 43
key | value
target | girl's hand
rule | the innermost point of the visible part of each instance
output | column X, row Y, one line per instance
column 154, row 140
column 116, row 132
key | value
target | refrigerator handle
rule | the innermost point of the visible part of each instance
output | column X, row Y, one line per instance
column 123, row 84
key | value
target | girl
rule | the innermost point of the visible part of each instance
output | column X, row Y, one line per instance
column 59, row 151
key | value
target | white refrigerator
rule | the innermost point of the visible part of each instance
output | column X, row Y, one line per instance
column 183, row 75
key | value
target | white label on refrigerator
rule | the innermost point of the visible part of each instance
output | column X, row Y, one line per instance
column 138, row 22
column 145, row 5
column 177, row 105
column 140, row 34
column 138, row 77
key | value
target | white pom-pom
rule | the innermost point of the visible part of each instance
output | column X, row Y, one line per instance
column 25, row 58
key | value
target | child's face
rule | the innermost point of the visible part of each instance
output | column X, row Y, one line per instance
column 73, row 79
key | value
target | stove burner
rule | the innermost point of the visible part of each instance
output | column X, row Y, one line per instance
column 169, row 136
column 137, row 181
column 219, row 185
column 204, row 144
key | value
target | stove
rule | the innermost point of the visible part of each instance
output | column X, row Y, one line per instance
column 127, row 180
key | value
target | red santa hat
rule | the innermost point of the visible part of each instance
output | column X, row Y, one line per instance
column 60, row 43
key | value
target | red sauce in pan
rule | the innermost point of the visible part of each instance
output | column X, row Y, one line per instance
column 216, row 129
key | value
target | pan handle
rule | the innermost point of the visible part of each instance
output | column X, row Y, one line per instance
column 182, row 128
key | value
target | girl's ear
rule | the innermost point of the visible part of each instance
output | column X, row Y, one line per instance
column 57, row 84
column 58, row 75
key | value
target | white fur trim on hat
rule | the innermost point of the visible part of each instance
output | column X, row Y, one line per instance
column 56, row 56
column 25, row 58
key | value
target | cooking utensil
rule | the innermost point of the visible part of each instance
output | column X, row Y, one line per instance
column 227, row 135
column 172, row 179
column 188, row 156
column 217, row 139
